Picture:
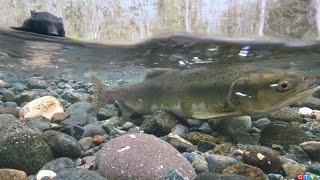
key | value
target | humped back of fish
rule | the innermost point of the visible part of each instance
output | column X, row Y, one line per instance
column 205, row 93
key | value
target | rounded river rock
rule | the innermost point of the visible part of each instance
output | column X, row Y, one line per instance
column 140, row 156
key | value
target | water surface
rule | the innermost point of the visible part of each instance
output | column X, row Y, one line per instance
column 24, row 55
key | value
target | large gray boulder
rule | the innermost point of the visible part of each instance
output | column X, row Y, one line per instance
column 22, row 148
column 140, row 156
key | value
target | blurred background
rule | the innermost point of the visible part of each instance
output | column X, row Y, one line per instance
column 133, row 20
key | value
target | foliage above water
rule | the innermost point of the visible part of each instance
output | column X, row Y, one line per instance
column 131, row 20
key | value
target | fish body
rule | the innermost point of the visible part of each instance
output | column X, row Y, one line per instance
column 205, row 93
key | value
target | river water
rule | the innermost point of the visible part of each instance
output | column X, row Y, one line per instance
column 24, row 55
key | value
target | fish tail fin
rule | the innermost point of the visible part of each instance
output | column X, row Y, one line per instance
column 97, row 84
column 98, row 87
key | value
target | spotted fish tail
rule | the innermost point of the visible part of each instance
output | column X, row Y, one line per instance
column 98, row 87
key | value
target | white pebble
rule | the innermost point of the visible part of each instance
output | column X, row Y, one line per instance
column 305, row 112
column 260, row 156
column 43, row 173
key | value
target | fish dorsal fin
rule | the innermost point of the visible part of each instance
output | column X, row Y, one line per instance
column 97, row 84
column 155, row 72
column 212, row 115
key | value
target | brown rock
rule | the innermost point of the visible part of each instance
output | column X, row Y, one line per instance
column 180, row 144
column 195, row 137
column 282, row 133
column 59, row 117
column 262, row 157
column 10, row 174
column 285, row 114
column 294, row 169
column 9, row 110
column 140, row 156
column 246, row 170
column 98, row 138
column 221, row 149
column 312, row 148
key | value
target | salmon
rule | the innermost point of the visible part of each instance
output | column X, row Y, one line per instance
column 205, row 93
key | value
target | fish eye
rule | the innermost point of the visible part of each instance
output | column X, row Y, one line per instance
column 283, row 85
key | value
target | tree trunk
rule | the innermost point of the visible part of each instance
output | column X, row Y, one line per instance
column 262, row 17
column 187, row 14
column 316, row 4
column 141, row 29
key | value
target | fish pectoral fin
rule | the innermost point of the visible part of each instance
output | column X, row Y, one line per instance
column 155, row 72
column 125, row 111
column 212, row 115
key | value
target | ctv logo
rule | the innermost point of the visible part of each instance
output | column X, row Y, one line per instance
column 306, row 176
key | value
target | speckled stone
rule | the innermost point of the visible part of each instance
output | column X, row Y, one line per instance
column 246, row 170
column 221, row 149
column 144, row 156
column 294, row 169
column 282, row 133
column 22, row 148
column 79, row 174
column 195, row 137
column 262, row 157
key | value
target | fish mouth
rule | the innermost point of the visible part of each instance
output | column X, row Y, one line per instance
column 312, row 88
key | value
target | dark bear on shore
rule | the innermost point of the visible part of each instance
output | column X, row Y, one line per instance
column 43, row 23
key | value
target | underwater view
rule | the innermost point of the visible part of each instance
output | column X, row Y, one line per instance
column 160, row 89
